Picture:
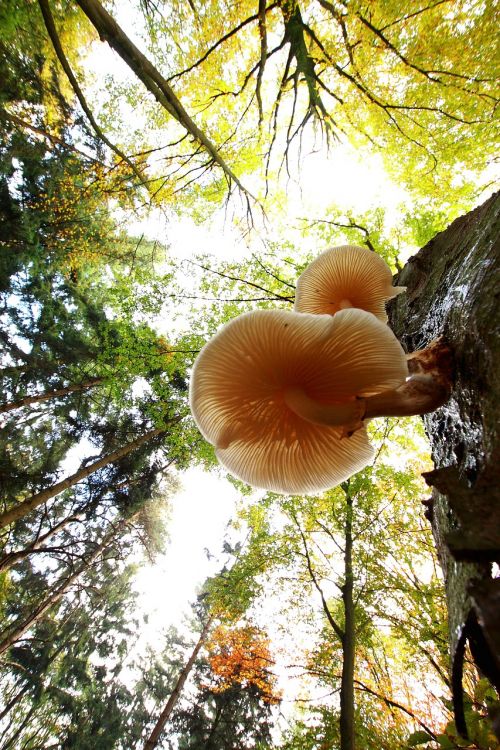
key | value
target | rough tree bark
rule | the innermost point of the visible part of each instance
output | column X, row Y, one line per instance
column 452, row 291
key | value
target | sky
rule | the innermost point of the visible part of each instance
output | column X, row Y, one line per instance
column 206, row 503
column 341, row 178
column 200, row 513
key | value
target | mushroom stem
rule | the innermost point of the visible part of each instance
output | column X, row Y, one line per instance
column 420, row 394
column 333, row 415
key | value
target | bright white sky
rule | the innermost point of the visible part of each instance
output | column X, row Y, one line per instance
column 340, row 179
column 200, row 513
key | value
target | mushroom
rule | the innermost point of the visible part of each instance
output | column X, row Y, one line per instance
column 276, row 392
column 344, row 277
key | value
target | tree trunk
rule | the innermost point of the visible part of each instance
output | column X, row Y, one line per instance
column 9, row 559
column 18, row 629
column 10, row 741
column 452, row 291
column 56, row 43
column 348, row 639
column 26, row 506
column 218, row 715
column 13, row 701
column 49, row 395
column 152, row 741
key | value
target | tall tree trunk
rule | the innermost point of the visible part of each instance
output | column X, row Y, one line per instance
column 18, row 629
column 152, row 741
column 26, row 506
column 28, row 400
column 348, row 639
column 9, row 742
column 452, row 291
column 218, row 715
column 9, row 559
column 56, row 43
column 13, row 701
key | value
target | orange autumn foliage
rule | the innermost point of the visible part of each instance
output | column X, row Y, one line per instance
column 241, row 656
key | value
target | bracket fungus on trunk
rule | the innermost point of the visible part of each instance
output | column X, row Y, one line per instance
column 343, row 277
column 246, row 379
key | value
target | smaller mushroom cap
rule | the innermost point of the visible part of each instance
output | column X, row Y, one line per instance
column 344, row 277
column 242, row 377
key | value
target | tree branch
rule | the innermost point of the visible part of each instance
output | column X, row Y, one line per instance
column 156, row 84
column 335, row 626
column 54, row 38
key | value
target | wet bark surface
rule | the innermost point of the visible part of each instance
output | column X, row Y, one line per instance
column 453, row 291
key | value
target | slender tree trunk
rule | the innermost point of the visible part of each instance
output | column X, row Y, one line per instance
column 13, row 701
column 26, row 506
column 8, row 560
column 348, row 639
column 9, row 745
column 49, row 395
column 56, row 43
column 18, row 629
column 213, row 728
column 174, row 697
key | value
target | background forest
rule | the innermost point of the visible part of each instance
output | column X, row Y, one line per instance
column 163, row 168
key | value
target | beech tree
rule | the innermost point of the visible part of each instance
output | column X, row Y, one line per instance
column 464, row 482
column 371, row 74
column 338, row 548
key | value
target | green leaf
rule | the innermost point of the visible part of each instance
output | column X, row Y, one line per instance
column 483, row 691
column 418, row 738
column 445, row 742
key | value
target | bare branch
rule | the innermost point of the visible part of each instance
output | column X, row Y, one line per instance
column 56, row 43
column 263, row 55
column 49, row 136
column 272, row 295
column 221, row 41
column 335, row 626
column 390, row 703
column 152, row 79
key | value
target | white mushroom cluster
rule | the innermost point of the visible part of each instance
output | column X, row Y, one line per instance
column 283, row 396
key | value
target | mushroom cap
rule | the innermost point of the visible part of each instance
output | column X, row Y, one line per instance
column 238, row 386
column 346, row 276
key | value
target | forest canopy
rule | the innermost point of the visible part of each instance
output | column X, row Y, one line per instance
column 131, row 132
